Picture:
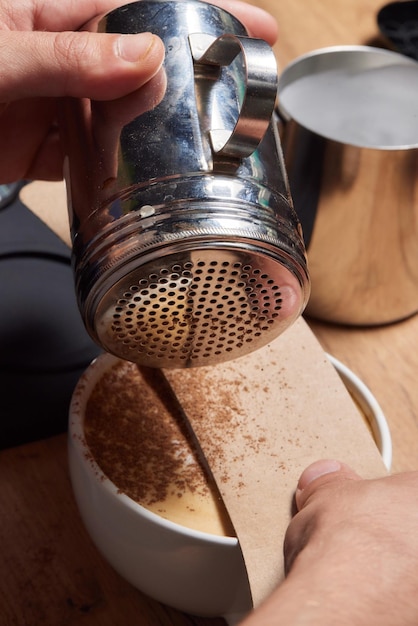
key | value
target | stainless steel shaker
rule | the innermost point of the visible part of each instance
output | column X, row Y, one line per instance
column 186, row 248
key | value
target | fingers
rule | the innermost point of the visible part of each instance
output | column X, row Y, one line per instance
column 319, row 474
column 317, row 500
column 74, row 15
column 78, row 64
column 97, row 66
column 258, row 22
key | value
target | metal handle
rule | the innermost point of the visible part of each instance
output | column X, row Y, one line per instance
column 260, row 89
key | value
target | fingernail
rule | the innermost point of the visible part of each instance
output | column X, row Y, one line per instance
column 317, row 469
column 133, row 48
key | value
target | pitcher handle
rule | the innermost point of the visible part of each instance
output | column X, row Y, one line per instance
column 261, row 83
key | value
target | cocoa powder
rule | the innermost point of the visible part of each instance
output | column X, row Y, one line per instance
column 137, row 439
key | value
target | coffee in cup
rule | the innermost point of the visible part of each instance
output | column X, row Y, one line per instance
column 136, row 434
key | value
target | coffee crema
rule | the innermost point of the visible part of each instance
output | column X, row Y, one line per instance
column 135, row 435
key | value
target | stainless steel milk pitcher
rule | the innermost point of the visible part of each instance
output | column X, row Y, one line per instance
column 186, row 247
column 350, row 139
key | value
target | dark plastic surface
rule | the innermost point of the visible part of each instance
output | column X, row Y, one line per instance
column 398, row 22
column 44, row 347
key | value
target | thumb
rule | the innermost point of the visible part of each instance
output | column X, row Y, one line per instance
column 78, row 64
column 319, row 474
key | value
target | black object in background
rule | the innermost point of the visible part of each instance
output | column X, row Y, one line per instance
column 44, row 347
column 398, row 23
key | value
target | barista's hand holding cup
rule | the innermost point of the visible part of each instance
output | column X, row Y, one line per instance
column 145, row 500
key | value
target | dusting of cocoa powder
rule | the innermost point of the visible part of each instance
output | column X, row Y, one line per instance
column 135, row 436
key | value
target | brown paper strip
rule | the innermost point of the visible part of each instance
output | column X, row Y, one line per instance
column 260, row 420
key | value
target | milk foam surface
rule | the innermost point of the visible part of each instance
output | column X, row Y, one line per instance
column 373, row 108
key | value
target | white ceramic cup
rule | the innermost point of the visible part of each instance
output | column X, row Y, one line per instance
column 370, row 408
column 193, row 571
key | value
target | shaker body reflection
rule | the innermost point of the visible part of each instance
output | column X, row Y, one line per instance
column 186, row 247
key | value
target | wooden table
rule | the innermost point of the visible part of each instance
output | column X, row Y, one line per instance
column 51, row 575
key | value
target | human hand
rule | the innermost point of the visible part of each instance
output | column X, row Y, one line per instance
column 43, row 59
column 351, row 552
